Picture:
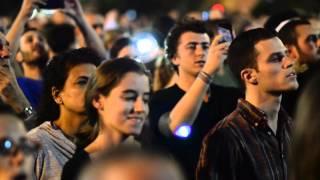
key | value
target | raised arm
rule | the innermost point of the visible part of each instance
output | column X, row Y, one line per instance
column 74, row 10
column 17, row 27
column 187, row 109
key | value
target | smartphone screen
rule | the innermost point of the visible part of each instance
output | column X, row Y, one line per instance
column 226, row 34
column 53, row 4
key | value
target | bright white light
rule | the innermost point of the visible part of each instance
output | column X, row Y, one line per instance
column 7, row 144
column 145, row 46
column 183, row 131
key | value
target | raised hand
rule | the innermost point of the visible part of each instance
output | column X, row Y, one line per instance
column 217, row 53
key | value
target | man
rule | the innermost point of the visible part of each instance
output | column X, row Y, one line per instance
column 300, row 38
column 252, row 142
column 15, row 149
column 182, row 114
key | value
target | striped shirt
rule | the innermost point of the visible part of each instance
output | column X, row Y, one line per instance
column 243, row 146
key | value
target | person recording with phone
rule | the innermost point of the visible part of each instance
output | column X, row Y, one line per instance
column 182, row 114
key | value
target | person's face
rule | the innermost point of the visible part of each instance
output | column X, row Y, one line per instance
column 14, row 160
column 309, row 49
column 73, row 92
column 125, row 108
column 4, row 50
column 191, row 53
column 153, row 169
column 33, row 46
column 275, row 72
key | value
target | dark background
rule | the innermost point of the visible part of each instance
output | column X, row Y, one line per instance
column 155, row 7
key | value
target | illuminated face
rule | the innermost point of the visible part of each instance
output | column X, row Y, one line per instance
column 4, row 51
column 33, row 47
column 275, row 72
column 73, row 92
column 124, row 110
column 191, row 53
column 307, row 42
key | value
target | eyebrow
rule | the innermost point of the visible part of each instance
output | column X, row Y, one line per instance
column 128, row 91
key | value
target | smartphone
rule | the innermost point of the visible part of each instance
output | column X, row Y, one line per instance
column 53, row 4
column 226, row 34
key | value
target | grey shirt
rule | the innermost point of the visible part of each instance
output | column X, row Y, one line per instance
column 56, row 150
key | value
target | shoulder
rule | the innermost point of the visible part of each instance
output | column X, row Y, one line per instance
column 167, row 93
column 40, row 132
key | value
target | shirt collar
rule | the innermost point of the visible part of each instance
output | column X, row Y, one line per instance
column 253, row 115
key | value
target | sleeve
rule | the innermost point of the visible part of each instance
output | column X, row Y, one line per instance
column 219, row 156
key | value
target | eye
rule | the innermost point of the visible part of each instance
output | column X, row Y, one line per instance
column 205, row 46
column 191, row 46
column 82, row 81
column 312, row 38
column 277, row 58
column 146, row 98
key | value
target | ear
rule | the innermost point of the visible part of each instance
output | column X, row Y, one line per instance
column 56, row 95
column 249, row 76
column 19, row 57
column 175, row 60
column 97, row 103
column 293, row 52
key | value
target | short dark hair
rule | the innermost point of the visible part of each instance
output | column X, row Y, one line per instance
column 186, row 25
column 242, row 53
column 287, row 33
column 56, row 74
column 60, row 37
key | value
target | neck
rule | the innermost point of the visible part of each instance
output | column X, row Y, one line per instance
column 70, row 123
column 31, row 71
column 185, row 81
column 269, row 103
column 106, row 139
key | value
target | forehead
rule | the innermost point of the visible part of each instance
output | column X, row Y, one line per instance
column 31, row 34
column 269, row 46
column 133, row 80
column 189, row 36
column 304, row 30
column 82, row 70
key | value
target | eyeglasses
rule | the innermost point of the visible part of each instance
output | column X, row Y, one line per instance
column 9, row 147
column 313, row 38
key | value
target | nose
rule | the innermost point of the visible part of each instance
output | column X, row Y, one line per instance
column 200, row 51
column 140, row 106
column 288, row 62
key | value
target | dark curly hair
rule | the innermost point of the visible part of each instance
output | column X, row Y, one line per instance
column 186, row 25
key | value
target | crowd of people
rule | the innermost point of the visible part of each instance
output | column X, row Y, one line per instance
column 79, row 99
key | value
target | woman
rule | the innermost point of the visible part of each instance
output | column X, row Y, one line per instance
column 62, row 112
column 305, row 156
column 117, row 99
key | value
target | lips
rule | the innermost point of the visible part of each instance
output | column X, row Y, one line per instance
column 200, row 62
column 292, row 74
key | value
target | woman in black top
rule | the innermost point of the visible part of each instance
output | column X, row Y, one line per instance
column 117, row 103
